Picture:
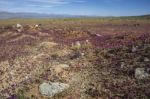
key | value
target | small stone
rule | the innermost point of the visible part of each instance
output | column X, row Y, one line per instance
column 18, row 25
column 140, row 73
column 12, row 73
column 19, row 30
column 134, row 49
column 87, row 41
column 47, row 45
column 146, row 59
column 63, row 65
column 50, row 89
column 26, row 77
column 36, row 26
column 82, row 54
column 77, row 45
column 122, row 64
column 98, row 35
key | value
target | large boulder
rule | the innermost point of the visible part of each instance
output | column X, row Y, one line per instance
column 50, row 89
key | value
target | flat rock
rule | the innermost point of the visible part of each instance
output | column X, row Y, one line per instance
column 140, row 73
column 63, row 65
column 146, row 59
column 134, row 49
column 50, row 89
column 47, row 45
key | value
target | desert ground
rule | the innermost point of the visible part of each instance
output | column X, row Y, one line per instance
column 97, row 58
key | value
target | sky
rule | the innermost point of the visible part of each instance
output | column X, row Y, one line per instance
column 79, row 7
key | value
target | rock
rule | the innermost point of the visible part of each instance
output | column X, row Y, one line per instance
column 40, row 57
column 134, row 49
column 87, row 41
column 77, row 45
column 82, row 54
column 140, row 73
column 19, row 26
column 19, row 30
column 47, row 45
column 50, row 89
column 146, row 59
column 36, row 26
column 98, row 35
column 63, row 65
column 122, row 64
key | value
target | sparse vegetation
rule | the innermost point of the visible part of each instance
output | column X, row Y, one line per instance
column 97, row 57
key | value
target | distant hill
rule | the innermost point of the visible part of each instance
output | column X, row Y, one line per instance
column 141, row 16
column 10, row 15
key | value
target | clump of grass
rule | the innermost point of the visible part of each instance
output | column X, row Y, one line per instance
column 21, row 94
column 76, row 46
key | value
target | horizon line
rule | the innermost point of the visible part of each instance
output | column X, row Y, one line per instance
column 15, row 12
